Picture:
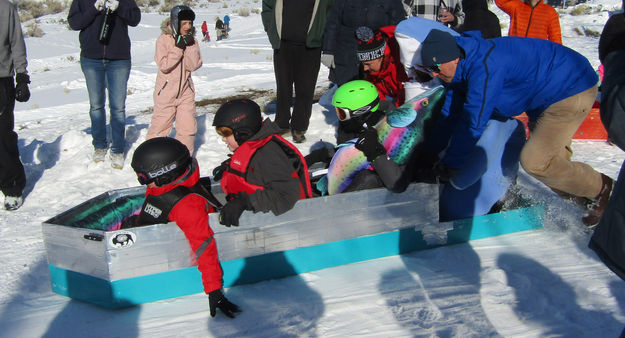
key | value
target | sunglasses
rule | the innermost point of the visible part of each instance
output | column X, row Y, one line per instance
column 435, row 68
column 345, row 114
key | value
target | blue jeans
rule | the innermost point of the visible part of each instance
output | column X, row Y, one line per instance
column 101, row 74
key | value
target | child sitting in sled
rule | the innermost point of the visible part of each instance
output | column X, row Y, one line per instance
column 175, row 193
column 265, row 172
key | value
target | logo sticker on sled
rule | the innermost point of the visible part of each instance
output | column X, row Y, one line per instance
column 123, row 240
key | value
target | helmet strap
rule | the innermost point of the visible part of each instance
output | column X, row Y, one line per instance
column 190, row 170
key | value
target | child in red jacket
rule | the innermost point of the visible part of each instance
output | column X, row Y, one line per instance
column 175, row 194
column 265, row 172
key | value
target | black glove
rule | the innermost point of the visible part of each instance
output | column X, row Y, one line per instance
column 369, row 145
column 180, row 42
column 22, row 93
column 233, row 209
column 188, row 38
column 218, row 172
column 216, row 299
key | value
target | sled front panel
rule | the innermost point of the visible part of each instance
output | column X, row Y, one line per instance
column 126, row 267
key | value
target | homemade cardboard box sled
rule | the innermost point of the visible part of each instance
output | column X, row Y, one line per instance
column 120, row 268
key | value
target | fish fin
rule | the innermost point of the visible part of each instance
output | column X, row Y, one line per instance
column 402, row 116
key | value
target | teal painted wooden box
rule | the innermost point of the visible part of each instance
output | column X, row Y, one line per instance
column 120, row 268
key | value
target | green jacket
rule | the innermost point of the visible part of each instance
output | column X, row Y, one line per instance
column 272, row 21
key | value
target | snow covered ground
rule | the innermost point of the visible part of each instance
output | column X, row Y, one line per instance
column 538, row 283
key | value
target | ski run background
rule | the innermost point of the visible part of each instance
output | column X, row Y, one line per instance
column 533, row 284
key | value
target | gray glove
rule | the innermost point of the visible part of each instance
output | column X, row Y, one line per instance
column 327, row 60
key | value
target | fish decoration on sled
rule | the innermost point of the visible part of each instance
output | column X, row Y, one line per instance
column 400, row 132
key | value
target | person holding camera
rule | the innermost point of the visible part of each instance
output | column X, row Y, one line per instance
column 105, row 62
column 177, row 55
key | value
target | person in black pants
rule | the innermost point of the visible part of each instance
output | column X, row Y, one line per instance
column 296, row 36
column 12, row 61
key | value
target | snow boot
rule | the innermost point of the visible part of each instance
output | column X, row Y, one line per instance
column 598, row 205
column 99, row 154
column 117, row 160
column 581, row 202
column 13, row 202
column 298, row 136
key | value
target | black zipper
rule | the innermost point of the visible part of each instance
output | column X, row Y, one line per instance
column 529, row 22
column 181, row 73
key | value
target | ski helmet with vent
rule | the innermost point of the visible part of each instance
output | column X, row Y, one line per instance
column 160, row 160
column 242, row 116
column 177, row 14
column 356, row 99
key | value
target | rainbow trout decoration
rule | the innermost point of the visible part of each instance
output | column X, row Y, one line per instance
column 400, row 132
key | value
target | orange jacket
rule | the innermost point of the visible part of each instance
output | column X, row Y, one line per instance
column 540, row 21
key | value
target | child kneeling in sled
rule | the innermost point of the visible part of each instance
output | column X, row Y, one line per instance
column 265, row 172
column 175, row 193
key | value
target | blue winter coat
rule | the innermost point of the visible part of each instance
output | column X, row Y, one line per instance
column 84, row 17
column 501, row 78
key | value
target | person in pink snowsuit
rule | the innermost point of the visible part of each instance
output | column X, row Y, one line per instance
column 177, row 55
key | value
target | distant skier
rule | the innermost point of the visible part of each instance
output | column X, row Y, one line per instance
column 175, row 193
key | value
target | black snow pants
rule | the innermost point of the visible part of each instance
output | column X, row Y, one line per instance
column 295, row 64
column 12, row 177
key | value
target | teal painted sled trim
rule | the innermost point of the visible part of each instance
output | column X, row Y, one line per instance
column 149, row 288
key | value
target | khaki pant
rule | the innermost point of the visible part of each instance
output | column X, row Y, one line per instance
column 547, row 153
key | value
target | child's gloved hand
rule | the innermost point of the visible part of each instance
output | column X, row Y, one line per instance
column 180, row 43
column 218, row 172
column 189, row 40
column 216, row 299
column 232, row 210
column 368, row 143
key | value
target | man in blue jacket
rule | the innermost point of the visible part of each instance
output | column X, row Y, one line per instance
column 105, row 62
column 504, row 77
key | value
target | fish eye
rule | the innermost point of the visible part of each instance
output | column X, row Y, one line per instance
column 425, row 103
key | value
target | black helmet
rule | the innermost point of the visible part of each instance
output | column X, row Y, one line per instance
column 240, row 115
column 179, row 13
column 160, row 160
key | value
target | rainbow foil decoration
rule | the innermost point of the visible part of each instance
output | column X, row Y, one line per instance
column 400, row 132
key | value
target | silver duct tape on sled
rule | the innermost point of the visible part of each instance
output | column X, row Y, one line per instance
column 147, row 250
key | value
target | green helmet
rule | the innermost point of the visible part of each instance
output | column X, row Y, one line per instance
column 355, row 98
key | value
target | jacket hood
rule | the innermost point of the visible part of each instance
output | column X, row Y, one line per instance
column 165, row 26
column 268, row 128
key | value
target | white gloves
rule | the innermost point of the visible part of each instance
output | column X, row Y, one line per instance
column 112, row 4
column 327, row 60
column 99, row 5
